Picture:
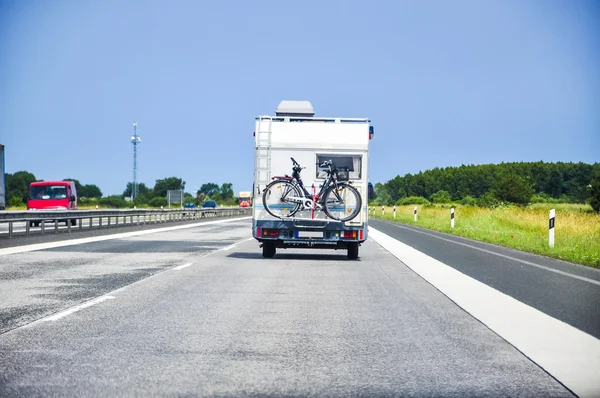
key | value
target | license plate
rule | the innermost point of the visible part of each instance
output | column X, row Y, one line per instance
column 309, row 234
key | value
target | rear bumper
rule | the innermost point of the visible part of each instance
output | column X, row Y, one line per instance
column 326, row 235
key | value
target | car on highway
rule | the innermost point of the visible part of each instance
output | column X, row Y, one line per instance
column 209, row 204
column 189, row 205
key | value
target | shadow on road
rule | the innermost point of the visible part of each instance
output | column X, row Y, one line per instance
column 291, row 256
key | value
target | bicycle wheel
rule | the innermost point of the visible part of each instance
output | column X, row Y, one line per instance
column 342, row 203
column 277, row 198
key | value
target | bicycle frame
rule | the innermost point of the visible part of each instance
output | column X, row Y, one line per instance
column 324, row 187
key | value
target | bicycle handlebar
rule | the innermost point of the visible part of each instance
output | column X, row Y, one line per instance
column 327, row 163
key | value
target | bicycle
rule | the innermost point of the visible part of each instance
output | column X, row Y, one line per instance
column 338, row 199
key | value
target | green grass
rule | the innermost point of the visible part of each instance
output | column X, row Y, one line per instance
column 577, row 228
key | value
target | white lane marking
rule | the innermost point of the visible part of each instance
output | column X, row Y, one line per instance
column 581, row 278
column 235, row 244
column 51, row 245
column 567, row 353
column 77, row 308
column 179, row 267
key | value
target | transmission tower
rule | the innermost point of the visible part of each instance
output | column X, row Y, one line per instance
column 135, row 139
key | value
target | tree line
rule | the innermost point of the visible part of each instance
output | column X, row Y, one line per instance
column 17, row 191
column 490, row 184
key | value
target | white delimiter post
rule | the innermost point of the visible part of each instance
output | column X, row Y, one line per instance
column 394, row 211
column 382, row 210
column 551, row 228
column 415, row 213
column 452, row 217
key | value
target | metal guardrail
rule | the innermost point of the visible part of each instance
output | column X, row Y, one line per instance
column 123, row 217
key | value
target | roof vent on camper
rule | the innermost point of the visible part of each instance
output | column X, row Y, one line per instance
column 295, row 108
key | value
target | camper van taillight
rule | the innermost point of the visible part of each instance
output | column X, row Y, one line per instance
column 371, row 132
column 254, row 134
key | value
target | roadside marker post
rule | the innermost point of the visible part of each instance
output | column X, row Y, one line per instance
column 452, row 217
column 394, row 211
column 551, row 227
column 415, row 213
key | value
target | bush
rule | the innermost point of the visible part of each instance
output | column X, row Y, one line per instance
column 141, row 200
column 158, row 202
column 513, row 188
column 468, row 201
column 82, row 200
column 15, row 201
column 413, row 200
column 488, row 199
column 441, row 197
column 114, row 201
column 379, row 202
column 543, row 197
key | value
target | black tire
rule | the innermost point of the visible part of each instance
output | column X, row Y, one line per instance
column 352, row 251
column 293, row 189
column 330, row 191
column 74, row 222
column 269, row 249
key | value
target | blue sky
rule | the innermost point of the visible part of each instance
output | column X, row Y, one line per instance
column 444, row 83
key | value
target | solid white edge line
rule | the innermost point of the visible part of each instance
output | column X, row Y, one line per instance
column 557, row 271
column 76, row 308
column 179, row 267
column 565, row 352
column 52, row 245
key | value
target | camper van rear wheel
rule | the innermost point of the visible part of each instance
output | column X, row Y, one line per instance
column 274, row 198
column 342, row 203
column 352, row 251
column 269, row 249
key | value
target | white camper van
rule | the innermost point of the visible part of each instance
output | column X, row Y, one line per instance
column 310, row 180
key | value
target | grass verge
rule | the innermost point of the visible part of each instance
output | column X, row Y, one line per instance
column 577, row 228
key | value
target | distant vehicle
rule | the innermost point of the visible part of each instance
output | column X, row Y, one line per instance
column 2, row 180
column 209, row 204
column 189, row 205
column 245, row 199
column 52, row 195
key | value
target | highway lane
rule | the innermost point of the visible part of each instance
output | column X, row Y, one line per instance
column 565, row 291
column 38, row 283
column 216, row 319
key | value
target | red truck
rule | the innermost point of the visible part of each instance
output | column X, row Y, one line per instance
column 52, row 195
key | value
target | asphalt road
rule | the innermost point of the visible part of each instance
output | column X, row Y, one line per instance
column 565, row 291
column 198, row 311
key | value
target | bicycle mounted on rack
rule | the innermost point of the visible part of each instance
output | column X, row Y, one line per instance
column 337, row 198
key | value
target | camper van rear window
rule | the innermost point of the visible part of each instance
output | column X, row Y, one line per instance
column 353, row 163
